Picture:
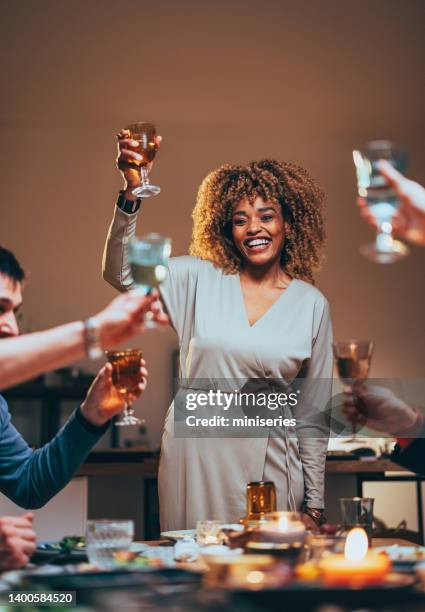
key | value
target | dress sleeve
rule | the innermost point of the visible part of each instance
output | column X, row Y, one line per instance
column 30, row 478
column 312, row 418
column 115, row 267
column 178, row 292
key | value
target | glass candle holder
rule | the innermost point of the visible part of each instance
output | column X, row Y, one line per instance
column 209, row 532
column 282, row 528
column 358, row 512
column 260, row 499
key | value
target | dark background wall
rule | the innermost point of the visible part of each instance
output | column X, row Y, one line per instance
column 301, row 80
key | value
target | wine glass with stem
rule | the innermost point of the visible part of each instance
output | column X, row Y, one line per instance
column 353, row 359
column 126, row 377
column 381, row 198
column 144, row 133
column 148, row 257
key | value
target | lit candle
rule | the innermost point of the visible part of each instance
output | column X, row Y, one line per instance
column 282, row 529
column 357, row 566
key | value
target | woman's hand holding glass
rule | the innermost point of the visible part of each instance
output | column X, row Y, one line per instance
column 129, row 162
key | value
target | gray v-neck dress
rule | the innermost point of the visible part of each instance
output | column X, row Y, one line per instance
column 201, row 478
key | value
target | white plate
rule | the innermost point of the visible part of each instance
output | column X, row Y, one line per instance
column 178, row 535
column 403, row 554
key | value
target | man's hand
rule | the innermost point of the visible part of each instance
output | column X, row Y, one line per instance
column 103, row 400
column 123, row 317
column 409, row 220
column 128, row 162
column 380, row 409
column 17, row 541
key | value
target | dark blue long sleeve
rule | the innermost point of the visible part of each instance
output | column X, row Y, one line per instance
column 31, row 478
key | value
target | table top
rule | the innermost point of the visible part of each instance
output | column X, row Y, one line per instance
column 200, row 565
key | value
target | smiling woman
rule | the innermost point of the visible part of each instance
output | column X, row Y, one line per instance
column 243, row 310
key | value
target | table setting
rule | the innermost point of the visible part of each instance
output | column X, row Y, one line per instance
column 257, row 563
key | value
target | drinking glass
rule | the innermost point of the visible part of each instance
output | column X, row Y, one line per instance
column 105, row 539
column 382, row 200
column 358, row 512
column 260, row 499
column 353, row 358
column 209, row 532
column 148, row 257
column 126, row 377
column 145, row 135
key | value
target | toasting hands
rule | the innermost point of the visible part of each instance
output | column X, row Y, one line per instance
column 103, row 400
column 129, row 161
column 409, row 220
column 380, row 409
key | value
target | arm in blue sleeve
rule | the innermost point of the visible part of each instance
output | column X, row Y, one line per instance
column 31, row 478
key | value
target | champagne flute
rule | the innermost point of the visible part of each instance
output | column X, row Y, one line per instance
column 382, row 200
column 145, row 135
column 353, row 358
column 148, row 257
column 126, row 377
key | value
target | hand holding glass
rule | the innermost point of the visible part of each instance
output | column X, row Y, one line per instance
column 148, row 257
column 144, row 134
column 353, row 358
column 126, row 377
column 382, row 200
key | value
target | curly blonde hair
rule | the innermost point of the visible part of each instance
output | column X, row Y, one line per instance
column 282, row 183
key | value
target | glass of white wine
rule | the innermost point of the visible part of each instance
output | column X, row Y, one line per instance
column 381, row 198
column 149, row 257
column 353, row 359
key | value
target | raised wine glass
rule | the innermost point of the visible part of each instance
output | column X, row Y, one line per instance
column 126, row 377
column 353, row 358
column 145, row 135
column 382, row 200
column 148, row 257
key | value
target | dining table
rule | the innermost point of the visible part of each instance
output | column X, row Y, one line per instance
column 181, row 588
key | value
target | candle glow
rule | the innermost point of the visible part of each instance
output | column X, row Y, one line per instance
column 356, row 545
column 358, row 566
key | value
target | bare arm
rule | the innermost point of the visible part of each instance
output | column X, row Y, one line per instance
column 29, row 355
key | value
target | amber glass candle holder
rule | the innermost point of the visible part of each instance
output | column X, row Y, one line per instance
column 260, row 499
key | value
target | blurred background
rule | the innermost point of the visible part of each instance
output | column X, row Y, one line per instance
column 224, row 81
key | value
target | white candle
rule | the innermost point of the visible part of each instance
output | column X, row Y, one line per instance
column 282, row 530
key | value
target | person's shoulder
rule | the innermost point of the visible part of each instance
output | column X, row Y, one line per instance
column 193, row 265
column 311, row 292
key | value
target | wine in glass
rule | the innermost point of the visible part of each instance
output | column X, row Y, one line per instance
column 382, row 200
column 353, row 358
column 126, row 377
column 145, row 135
column 148, row 257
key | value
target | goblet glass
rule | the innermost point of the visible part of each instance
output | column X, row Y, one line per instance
column 353, row 358
column 145, row 135
column 382, row 199
column 126, row 377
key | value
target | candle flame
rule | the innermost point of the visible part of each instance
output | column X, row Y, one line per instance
column 356, row 545
column 283, row 523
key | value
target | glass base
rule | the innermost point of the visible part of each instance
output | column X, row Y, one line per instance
column 128, row 419
column 146, row 191
column 396, row 251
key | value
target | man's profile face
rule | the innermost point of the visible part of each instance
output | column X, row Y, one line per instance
column 10, row 303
